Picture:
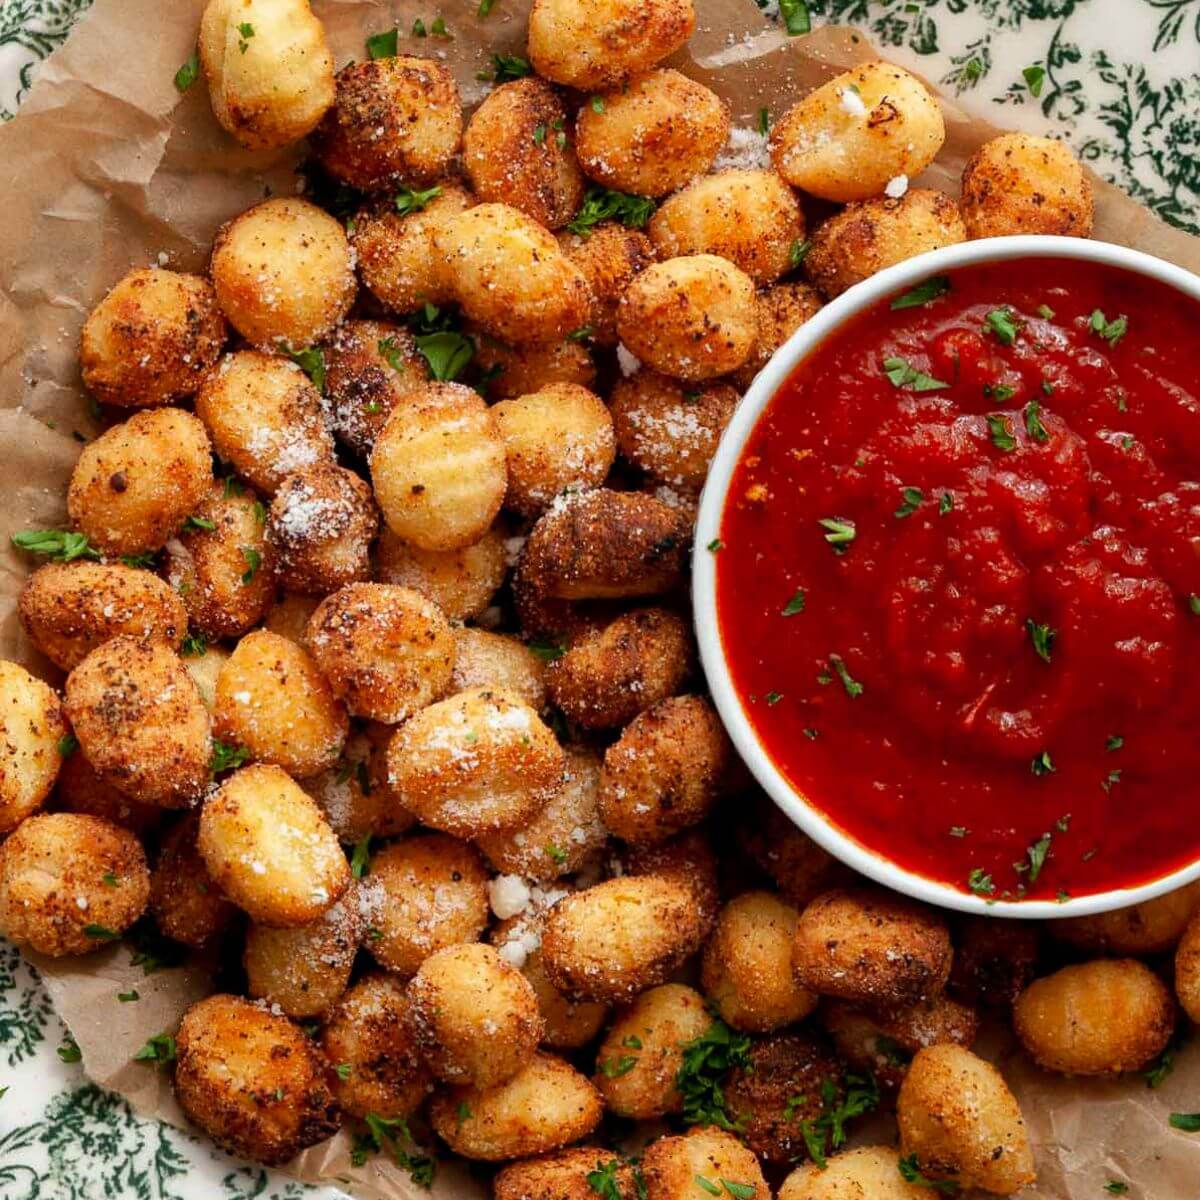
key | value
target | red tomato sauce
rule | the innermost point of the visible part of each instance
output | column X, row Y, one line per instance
column 993, row 681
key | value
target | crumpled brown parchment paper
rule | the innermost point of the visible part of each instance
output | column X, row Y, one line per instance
column 106, row 167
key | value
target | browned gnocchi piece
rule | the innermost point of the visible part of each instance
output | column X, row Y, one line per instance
column 993, row 960
column 81, row 790
column 511, row 371
column 778, row 312
column 138, row 481
column 866, row 1171
column 289, row 616
column 151, row 339
column 461, row 582
column 800, row 868
column 1147, row 928
column 609, row 255
column 33, row 733
column 679, row 1168
column 687, row 858
column 500, row 662
column 56, row 889
column 1187, row 970
column 563, row 1176
column 187, row 905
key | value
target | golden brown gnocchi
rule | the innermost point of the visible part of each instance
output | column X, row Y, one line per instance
column 609, row 255
column 1147, row 928
column 33, row 733
column 689, row 1166
column 500, row 662
column 778, row 312
column 562, row 1176
column 510, row 371
column 864, row 1173
column 187, row 905
column 1187, row 970
column 461, row 582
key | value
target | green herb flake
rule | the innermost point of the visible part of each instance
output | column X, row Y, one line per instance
column 189, row 72
column 1194, row 604
column 485, row 7
column 603, row 1181
column 109, row 879
column 158, row 1049
column 614, row 1068
column 1111, row 779
column 1188, row 1122
column 1114, row 741
column 67, row 745
column 773, row 698
column 796, row 18
column 101, row 933
column 739, row 1191
column 840, row 532
column 707, row 1184
column 1033, row 422
column 795, row 605
column 910, row 1170
column 911, row 498
column 1034, row 77
column 547, row 651
column 958, row 831
column 1035, row 859
column 1042, row 637
column 360, row 859
column 1042, row 764
column 946, row 503
column 507, row 67
column 923, row 293
column 253, row 560
column 69, row 1052
column 1000, row 321
column 901, row 373
column 582, row 334
column 1164, row 1064
column 383, row 45
column 998, row 391
column 311, row 361
column 1110, row 331
column 439, row 28
column 227, row 757
column 1001, row 432
column 604, row 204
column 201, row 523
column 539, row 134
column 129, row 997
column 194, row 645
column 715, row 546
column 1114, row 1187
column 764, row 121
column 555, row 854
column 798, row 252
column 980, row 882
column 447, row 353
column 409, row 200
column 596, row 103
column 632, row 1042
column 854, row 689
column 705, row 1062
column 58, row 545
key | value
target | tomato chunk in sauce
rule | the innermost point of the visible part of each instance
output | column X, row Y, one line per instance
column 959, row 579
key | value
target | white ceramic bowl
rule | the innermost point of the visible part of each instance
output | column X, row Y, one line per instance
column 809, row 818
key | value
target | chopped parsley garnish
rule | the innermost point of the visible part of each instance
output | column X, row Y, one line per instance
column 189, row 72
column 1188, row 1122
column 1000, row 322
column 901, row 373
column 739, row 1191
column 1045, row 311
column 201, row 523
column 385, row 1132
column 706, row 1060
column 1111, row 331
column 828, row 1131
column 226, row 757
column 158, row 1049
column 1034, row 77
column 253, row 560
column 247, row 32
column 840, row 532
column 764, row 121
column 854, row 689
column 811, row 734
column 998, row 392
column 707, row 1184
column 910, row 1169
column 1063, row 823
column 1111, row 779
column 798, row 252
column 923, row 293
column 383, row 45
column 312, row 362
column 773, row 698
column 67, row 745
column 129, row 996
column 1001, row 432
column 912, row 498
column 485, row 7
column 1035, row 859
column 796, row 19
column 507, row 67
column 603, row 1180
column 1033, row 422
column 1114, row 1187
column 1042, row 764
column 1194, row 604
column 715, row 545
column 343, row 1071
column 946, row 503
column 614, row 1068
column 194, row 645
column 1114, row 741
column 69, row 1052
column 139, row 562
column 632, row 1042
column 980, row 882
column 548, row 651
column 109, row 879
column 539, row 134
column 101, row 933
column 153, row 952
column 409, row 200
column 604, row 204
column 795, row 604
column 596, row 103
column 447, row 353
column 1042, row 637
column 439, row 29
column 555, row 854
column 360, row 859
column 58, row 545
column 1164, row 1064
column 581, row 334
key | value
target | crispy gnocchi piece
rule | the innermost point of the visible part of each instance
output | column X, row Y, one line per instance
column 394, row 120
column 480, row 761
column 560, row 839
column 424, row 892
column 1151, row 927
column 993, row 960
column 1022, row 183
column 473, row 1017
column 778, row 312
column 616, row 939
column 518, row 150
column 848, row 138
column 750, row 217
column 563, row 1176
column 1187, row 970
column 868, row 236
column 461, row 582
column 864, row 1173
column 138, row 481
column 691, row 317
column 510, row 277
column 304, row 970
column 640, row 1058
column 674, row 1167
column 800, row 868
column 319, row 529
column 57, row 893
column 607, row 676
column 81, row 790
column 265, row 417
column 498, row 661
column 252, row 1080
column 605, row 44
column 270, row 850
column 511, row 371
column 395, row 253
column 141, row 722
column 957, row 1115
column 668, row 429
column 269, row 69
column 872, row 947
column 747, row 966
column 274, row 702
column 208, row 563
column 609, row 255
column 369, row 367
column 651, row 135
column 687, row 858
column 545, row 1106
column 386, row 650
column 33, row 733
column 782, row 1086
column 883, row 1042
column 151, row 339
column 366, row 1040
column 289, row 616
column 438, row 468
column 1096, row 1018
column 663, row 773
column 283, row 272
column 187, row 905
column 557, row 439
column 68, row 609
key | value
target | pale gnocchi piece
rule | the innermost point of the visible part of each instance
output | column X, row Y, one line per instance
column 545, row 1106
column 618, row 938
column 269, row 69
column 424, row 892
column 778, row 312
column 479, row 761
column 33, row 732
column 56, row 889
column 689, row 1166
column 283, row 272
column 651, row 135
column 151, row 339
column 141, row 722
column 855, row 134
column 559, row 439
column 252, row 1080
column 868, row 236
column 747, row 966
column 319, row 529
column 510, row 371
column 386, row 650
column 751, row 217
column 270, row 850
column 958, row 1117
column 607, row 43
column 396, row 119
column 1147, row 928
column 274, row 702
column 289, row 616
column 1103, row 1017
column 690, row 317
column 639, row 1060
column 187, row 905
column 864, row 1173
column 609, row 254
column 500, row 662
column 509, row 275
column 438, row 468
column 461, row 582
column 265, row 417
column 138, row 481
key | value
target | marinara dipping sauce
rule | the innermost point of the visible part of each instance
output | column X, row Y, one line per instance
column 958, row 579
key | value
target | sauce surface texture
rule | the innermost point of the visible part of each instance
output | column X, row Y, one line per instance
column 958, row 579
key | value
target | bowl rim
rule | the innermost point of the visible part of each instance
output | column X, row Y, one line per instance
column 803, row 813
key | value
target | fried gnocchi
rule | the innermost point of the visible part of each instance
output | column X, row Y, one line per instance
column 778, row 312
column 461, row 582
column 510, row 371
column 500, row 662
column 1147, row 928
column 864, row 1173
column 562, row 1176
column 687, row 859
column 1187, row 970
column 609, row 255
column 187, row 905
column 33, row 732
column 679, row 1168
